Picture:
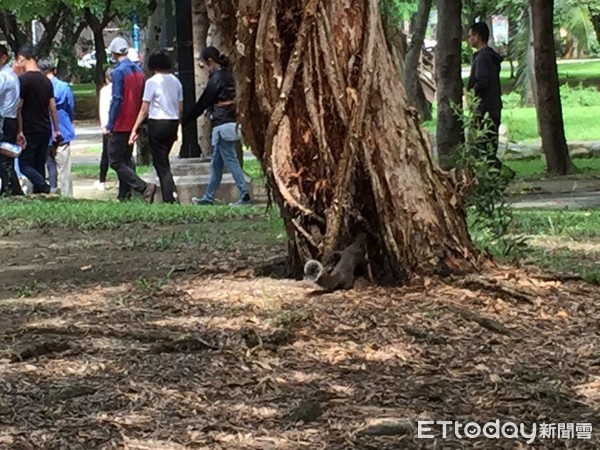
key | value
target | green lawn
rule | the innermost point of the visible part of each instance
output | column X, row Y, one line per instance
column 573, row 73
column 551, row 233
column 84, row 90
column 533, row 167
column 581, row 123
column 587, row 72
column 90, row 171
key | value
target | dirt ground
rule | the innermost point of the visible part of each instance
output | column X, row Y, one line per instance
column 156, row 339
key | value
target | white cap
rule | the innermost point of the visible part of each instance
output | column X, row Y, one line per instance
column 118, row 46
column 133, row 55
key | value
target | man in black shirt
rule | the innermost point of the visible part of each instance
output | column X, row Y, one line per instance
column 485, row 83
column 37, row 109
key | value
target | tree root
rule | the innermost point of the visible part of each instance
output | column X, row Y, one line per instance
column 490, row 324
column 342, row 276
column 503, row 289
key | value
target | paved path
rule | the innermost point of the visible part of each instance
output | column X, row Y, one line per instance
column 579, row 200
column 89, row 137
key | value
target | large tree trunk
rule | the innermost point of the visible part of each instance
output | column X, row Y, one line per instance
column 324, row 111
column 549, row 109
column 200, row 24
column 414, row 90
column 222, row 18
column 154, row 29
column 449, row 80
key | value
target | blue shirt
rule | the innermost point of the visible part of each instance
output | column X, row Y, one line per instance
column 65, row 106
column 126, row 100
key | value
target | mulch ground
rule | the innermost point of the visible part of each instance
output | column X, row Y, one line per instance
column 234, row 361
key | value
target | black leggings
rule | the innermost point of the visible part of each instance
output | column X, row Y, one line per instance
column 162, row 134
column 104, row 159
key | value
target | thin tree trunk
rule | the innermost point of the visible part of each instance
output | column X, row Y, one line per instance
column 449, row 80
column 531, row 86
column 12, row 31
column 595, row 17
column 200, row 24
column 97, row 26
column 52, row 25
column 323, row 109
column 414, row 90
column 72, row 29
column 549, row 109
column 395, row 38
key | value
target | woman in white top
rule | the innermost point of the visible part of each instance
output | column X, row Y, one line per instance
column 104, row 108
column 162, row 103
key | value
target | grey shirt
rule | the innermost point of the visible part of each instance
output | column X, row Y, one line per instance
column 9, row 93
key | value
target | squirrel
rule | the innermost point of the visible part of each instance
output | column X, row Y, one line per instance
column 342, row 275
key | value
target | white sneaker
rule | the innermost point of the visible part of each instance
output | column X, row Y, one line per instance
column 99, row 186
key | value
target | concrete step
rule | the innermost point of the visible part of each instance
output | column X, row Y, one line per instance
column 189, row 186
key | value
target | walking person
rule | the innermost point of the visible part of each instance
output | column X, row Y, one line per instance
column 59, row 154
column 484, row 81
column 162, row 104
column 219, row 98
column 9, row 108
column 104, row 108
column 38, row 119
column 126, row 101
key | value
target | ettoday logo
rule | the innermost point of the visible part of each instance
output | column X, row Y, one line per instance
column 429, row 429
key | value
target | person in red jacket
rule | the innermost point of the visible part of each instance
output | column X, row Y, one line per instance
column 126, row 101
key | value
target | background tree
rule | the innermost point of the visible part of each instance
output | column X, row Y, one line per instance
column 323, row 109
column 414, row 90
column 394, row 14
column 201, row 25
column 449, row 79
column 549, row 109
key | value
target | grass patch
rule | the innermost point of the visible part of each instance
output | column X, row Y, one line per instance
column 253, row 170
column 84, row 89
column 562, row 241
column 581, row 123
column 578, row 224
column 534, row 168
column 90, row 171
column 39, row 213
column 587, row 73
column 541, row 227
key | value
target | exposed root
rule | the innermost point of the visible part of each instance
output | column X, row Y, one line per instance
column 502, row 289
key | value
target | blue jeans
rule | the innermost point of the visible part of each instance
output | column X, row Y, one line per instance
column 223, row 152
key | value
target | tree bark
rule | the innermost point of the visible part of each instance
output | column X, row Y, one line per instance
column 222, row 19
column 414, row 90
column 531, row 86
column 324, row 111
column 97, row 26
column 549, row 109
column 395, row 38
column 72, row 29
column 595, row 17
column 449, row 80
column 52, row 25
column 200, row 24
column 13, row 33
column 154, row 28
